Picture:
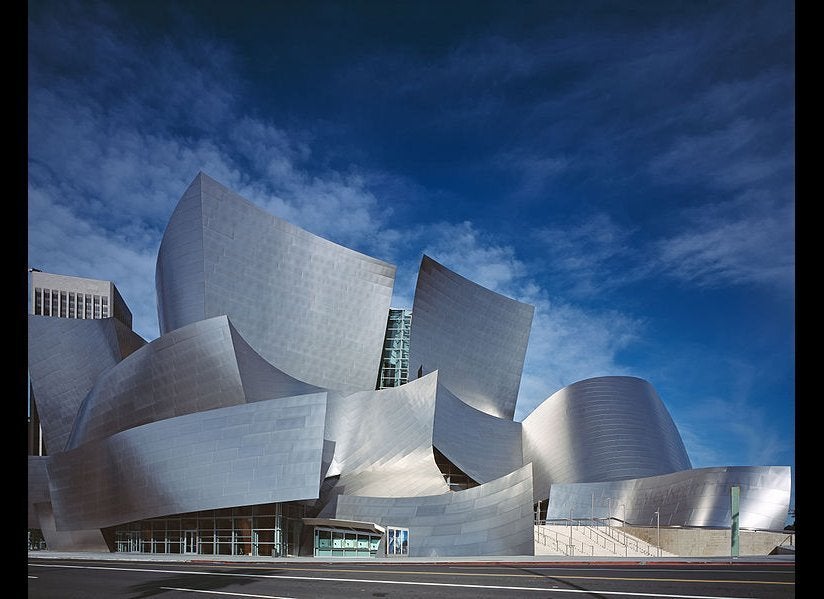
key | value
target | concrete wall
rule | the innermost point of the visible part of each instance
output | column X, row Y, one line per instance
column 698, row 542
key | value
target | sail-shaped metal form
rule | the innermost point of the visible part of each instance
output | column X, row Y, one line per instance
column 474, row 337
column 314, row 309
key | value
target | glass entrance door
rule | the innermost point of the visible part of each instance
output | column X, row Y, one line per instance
column 129, row 542
column 189, row 541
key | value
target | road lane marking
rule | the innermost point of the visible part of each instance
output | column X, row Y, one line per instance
column 395, row 582
column 512, row 575
column 225, row 593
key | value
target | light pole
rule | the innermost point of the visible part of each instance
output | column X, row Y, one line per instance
column 592, row 510
column 658, row 529
column 624, row 523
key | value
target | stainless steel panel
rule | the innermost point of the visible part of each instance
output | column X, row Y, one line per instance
column 474, row 337
column 312, row 308
column 383, row 441
column 262, row 452
column 495, row 518
column 696, row 497
column 483, row 446
column 601, row 429
column 38, row 485
column 66, row 357
column 67, row 540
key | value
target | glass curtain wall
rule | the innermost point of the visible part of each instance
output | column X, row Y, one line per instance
column 394, row 370
column 271, row 530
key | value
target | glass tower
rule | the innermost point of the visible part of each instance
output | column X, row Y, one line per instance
column 394, row 370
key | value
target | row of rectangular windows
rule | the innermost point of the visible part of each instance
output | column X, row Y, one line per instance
column 69, row 304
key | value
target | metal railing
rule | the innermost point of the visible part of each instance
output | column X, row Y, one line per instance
column 599, row 531
column 631, row 542
column 564, row 544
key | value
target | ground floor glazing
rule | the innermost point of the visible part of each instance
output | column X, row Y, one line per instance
column 272, row 530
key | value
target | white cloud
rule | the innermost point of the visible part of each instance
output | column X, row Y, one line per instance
column 461, row 248
column 62, row 243
column 108, row 162
column 567, row 342
column 590, row 255
column 107, row 166
column 750, row 241
column 734, row 155
column 715, row 429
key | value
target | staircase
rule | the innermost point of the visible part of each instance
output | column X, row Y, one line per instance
column 582, row 539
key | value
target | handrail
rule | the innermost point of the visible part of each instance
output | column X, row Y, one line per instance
column 567, row 548
column 567, row 545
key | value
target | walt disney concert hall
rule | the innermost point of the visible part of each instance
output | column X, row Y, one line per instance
column 253, row 424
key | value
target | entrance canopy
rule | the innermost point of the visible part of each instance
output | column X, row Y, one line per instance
column 353, row 525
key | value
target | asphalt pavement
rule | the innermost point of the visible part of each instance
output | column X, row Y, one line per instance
column 478, row 560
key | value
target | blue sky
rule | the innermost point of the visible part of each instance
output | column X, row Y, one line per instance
column 625, row 167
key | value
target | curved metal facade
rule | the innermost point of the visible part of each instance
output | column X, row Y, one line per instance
column 312, row 308
column 260, row 390
column 474, row 337
column 38, row 479
column 383, row 441
column 601, row 429
column 482, row 446
column 66, row 358
column 697, row 497
column 492, row 519
column 191, row 369
column 260, row 452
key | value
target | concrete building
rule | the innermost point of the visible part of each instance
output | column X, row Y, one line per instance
column 76, row 297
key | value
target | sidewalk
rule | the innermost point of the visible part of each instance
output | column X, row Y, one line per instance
column 528, row 560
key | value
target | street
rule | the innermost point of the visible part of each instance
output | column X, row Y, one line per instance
column 64, row 579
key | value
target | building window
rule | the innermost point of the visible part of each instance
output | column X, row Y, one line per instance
column 271, row 530
column 397, row 541
column 395, row 361
column 457, row 479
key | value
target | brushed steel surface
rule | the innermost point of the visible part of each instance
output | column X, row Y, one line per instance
column 383, row 441
column 696, row 497
column 495, row 518
column 601, row 429
column 474, row 337
column 314, row 309
column 202, row 366
column 261, row 452
column 483, row 446
column 38, row 484
column 66, row 357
